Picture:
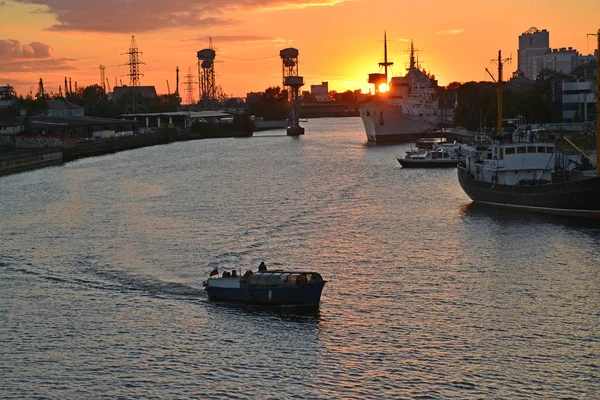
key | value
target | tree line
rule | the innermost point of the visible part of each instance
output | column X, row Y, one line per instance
column 477, row 102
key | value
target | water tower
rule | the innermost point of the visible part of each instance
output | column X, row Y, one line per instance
column 206, row 73
column 293, row 82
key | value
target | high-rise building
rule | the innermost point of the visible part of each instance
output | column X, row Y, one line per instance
column 534, row 55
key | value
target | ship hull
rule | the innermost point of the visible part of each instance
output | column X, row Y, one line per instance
column 408, row 163
column 387, row 124
column 576, row 198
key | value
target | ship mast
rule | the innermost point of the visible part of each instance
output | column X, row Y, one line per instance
column 412, row 55
column 500, row 63
column 500, row 93
column 385, row 62
column 598, row 108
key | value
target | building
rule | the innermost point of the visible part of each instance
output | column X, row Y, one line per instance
column 8, row 96
column 320, row 92
column 578, row 101
column 63, row 108
column 175, row 119
column 534, row 55
column 10, row 124
column 145, row 91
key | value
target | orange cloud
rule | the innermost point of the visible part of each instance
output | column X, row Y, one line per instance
column 12, row 49
column 35, row 56
column 117, row 16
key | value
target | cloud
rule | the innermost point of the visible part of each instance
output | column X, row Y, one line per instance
column 450, row 32
column 240, row 39
column 35, row 56
column 11, row 49
column 135, row 16
column 54, row 64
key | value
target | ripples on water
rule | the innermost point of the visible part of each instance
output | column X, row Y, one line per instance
column 429, row 296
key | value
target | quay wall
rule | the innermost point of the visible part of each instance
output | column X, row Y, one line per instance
column 20, row 160
column 16, row 162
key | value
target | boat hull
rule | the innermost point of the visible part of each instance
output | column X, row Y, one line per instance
column 297, row 295
column 386, row 124
column 408, row 163
column 576, row 198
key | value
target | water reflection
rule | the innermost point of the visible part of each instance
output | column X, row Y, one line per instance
column 508, row 215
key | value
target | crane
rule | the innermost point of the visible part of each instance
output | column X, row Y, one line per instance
column 107, row 84
column 168, row 88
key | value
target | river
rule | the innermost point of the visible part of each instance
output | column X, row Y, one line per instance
column 102, row 262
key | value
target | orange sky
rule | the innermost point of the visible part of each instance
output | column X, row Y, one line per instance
column 340, row 41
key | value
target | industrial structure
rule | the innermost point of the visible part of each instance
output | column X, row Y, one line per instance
column 293, row 82
column 135, row 101
column 189, row 87
column 134, row 63
column 177, row 82
column 206, row 74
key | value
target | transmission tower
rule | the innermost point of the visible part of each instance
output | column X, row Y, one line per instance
column 103, row 78
column 206, row 72
column 134, row 63
column 189, row 87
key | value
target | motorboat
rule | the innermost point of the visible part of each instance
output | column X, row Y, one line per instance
column 440, row 156
column 272, row 287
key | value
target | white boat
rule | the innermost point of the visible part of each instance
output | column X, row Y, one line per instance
column 408, row 111
column 444, row 155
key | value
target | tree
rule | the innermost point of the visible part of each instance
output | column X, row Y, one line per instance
column 272, row 104
column 33, row 106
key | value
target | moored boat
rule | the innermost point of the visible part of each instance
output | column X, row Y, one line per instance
column 440, row 156
column 274, row 288
column 526, row 171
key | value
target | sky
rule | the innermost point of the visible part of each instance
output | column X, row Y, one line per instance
column 339, row 41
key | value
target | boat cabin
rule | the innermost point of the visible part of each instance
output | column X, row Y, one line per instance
column 280, row 278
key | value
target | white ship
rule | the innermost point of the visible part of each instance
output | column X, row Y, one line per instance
column 408, row 111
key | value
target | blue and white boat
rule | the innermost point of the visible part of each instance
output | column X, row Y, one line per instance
column 275, row 287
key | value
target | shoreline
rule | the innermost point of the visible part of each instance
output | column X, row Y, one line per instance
column 16, row 161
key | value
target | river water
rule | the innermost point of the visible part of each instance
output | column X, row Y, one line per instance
column 102, row 262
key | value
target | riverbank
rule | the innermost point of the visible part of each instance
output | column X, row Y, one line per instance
column 14, row 160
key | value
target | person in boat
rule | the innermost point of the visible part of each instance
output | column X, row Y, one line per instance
column 226, row 274
column 234, row 274
column 262, row 267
